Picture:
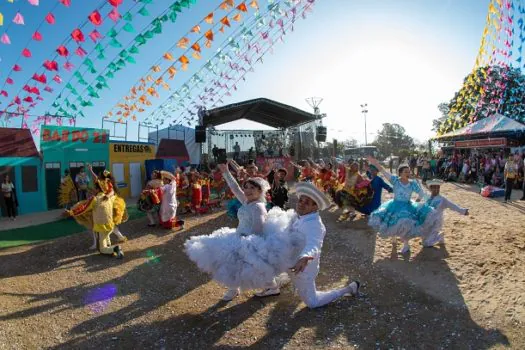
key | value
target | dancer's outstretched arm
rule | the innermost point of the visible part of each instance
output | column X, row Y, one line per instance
column 232, row 183
column 378, row 165
column 93, row 175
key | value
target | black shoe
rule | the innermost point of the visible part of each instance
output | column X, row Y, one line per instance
column 118, row 252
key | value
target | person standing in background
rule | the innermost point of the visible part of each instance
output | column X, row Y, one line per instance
column 8, row 191
column 82, row 181
column 510, row 173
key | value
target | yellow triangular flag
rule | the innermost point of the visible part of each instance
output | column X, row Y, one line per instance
column 1, row 19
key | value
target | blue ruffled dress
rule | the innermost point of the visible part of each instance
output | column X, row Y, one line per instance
column 402, row 217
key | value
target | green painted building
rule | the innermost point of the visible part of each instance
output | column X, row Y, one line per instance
column 65, row 147
column 19, row 158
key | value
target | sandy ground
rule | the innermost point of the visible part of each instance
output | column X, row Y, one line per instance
column 467, row 294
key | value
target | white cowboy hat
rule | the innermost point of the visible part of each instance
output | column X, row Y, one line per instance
column 309, row 190
column 435, row 182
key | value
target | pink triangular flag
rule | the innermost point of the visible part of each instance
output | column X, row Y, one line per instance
column 37, row 36
column 33, row 2
column 80, row 51
column 68, row 66
column 48, row 89
column 50, row 18
column 17, row 68
column 114, row 15
column 58, row 79
column 4, row 93
column 19, row 19
column 26, row 53
column 9, row 81
column 5, row 39
column 94, row 35
column 66, row 3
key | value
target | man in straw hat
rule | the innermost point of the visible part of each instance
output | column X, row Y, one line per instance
column 309, row 224
column 168, row 205
column 439, row 203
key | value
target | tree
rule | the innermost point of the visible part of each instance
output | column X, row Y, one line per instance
column 486, row 91
column 444, row 110
column 393, row 139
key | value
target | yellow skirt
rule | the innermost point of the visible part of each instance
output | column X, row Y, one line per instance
column 120, row 213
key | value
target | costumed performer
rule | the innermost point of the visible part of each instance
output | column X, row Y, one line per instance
column 401, row 217
column 237, row 257
column 309, row 225
column 120, row 213
column 168, row 205
column 149, row 200
column 378, row 185
column 439, row 203
column 67, row 192
column 279, row 188
column 354, row 192
column 101, row 208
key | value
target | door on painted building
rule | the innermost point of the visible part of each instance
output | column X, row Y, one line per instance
column 53, row 177
column 6, row 170
column 135, row 179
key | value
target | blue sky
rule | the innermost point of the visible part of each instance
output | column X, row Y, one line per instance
column 400, row 57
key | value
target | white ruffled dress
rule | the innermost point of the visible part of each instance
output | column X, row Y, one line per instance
column 253, row 254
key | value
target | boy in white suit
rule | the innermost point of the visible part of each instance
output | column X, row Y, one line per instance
column 439, row 203
column 305, row 271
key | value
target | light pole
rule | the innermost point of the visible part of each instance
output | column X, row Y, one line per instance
column 364, row 110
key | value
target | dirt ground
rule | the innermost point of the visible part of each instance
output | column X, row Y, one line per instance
column 467, row 294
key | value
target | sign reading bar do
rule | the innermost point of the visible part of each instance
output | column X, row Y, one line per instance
column 81, row 135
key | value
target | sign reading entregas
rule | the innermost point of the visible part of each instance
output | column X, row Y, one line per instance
column 123, row 148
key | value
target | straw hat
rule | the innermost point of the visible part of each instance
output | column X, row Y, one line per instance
column 167, row 175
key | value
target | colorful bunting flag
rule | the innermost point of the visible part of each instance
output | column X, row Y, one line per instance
column 50, row 18
column 19, row 19
column 95, row 18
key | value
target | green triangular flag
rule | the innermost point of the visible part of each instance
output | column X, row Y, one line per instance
column 176, row 7
column 185, row 3
column 130, row 59
column 173, row 16
column 133, row 50
column 67, row 103
column 146, row 1
column 112, row 66
column 92, row 70
column 55, row 104
column 81, row 114
column 88, row 62
column 99, row 48
column 92, row 92
column 149, row 34
column 82, row 81
column 101, row 79
column 114, row 43
column 112, row 33
column 98, row 86
column 128, row 28
column 123, row 54
column 110, row 75
column 127, row 17
column 158, row 29
column 77, row 75
column 140, row 40
column 193, row 2
column 164, row 18
column 101, row 56
column 74, row 107
column 69, row 86
column 144, row 11
column 121, row 63
column 74, row 92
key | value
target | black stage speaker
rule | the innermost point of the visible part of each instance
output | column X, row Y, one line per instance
column 320, row 136
column 200, row 134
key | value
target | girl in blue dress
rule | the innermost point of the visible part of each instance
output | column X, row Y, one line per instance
column 401, row 217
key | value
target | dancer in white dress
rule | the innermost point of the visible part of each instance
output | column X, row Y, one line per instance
column 237, row 258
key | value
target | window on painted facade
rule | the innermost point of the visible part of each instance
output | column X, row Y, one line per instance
column 29, row 178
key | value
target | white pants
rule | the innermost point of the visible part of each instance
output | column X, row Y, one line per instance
column 305, row 284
